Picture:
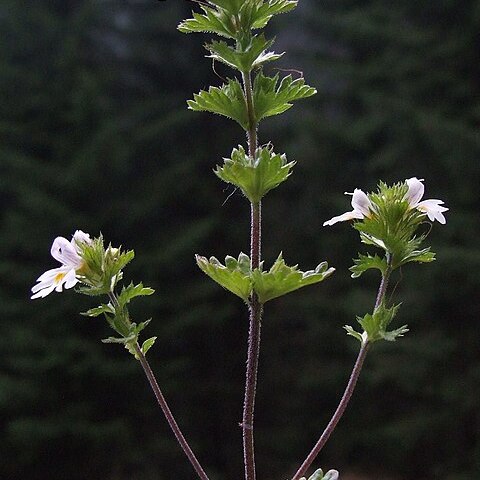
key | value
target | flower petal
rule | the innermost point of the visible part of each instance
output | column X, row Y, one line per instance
column 70, row 279
column 433, row 209
column 63, row 251
column 342, row 218
column 43, row 293
column 80, row 237
column 415, row 192
column 361, row 203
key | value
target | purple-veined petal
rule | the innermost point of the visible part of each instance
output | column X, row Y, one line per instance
column 415, row 192
column 361, row 203
column 63, row 251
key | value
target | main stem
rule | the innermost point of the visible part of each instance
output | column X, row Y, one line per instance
column 168, row 414
column 352, row 382
column 255, row 307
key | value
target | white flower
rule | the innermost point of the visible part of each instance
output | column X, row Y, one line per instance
column 362, row 206
column 432, row 208
column 68, row 254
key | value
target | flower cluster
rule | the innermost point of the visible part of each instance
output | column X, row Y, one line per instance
column 66, row 276
column 363, row 206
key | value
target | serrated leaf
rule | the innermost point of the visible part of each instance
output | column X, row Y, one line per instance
column 375, row 325
column 211, row 21
column 231, row 6
column 420, row 256
column 366, row 262
column 241, row 58
column 282, row 279
column 255, row 176
column 95, row 312
column 353, row 333
column 123, row 340
column 234, row 275
column 272, row 99
column 132, row 291
column 227, row 100
column 147, row 344
column 394, row 334
column 267, row 10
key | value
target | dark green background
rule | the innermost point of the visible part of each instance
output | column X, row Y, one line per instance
column 95, row 134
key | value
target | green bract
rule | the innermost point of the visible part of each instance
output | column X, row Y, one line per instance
column 103, row 267
column 392, row 226
column 255, row 176
column 235, row 18
column 375, row 326
column 236, row 275
column 101, row 273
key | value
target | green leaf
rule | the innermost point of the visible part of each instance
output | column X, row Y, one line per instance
column 272, row 99
column 420, row 256
column 133, row 291
column 353, row 333
column 95, row 312
column 255, row 176
column 318, row 475
column 212, row 20
column 123, row 340
column 231, row 6
column 243, row 59
column 375, row 325
column 331, row 475
column 147, row 344
column 227, row 100
column 282, row 279
column 234, row 275
column 366, row 262
column 235, row 18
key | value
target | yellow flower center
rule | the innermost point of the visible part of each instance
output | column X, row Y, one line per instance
column 59, row 277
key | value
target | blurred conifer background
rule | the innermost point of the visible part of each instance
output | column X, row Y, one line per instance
column 95, row 134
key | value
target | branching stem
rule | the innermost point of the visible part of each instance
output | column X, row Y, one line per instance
column 352, row 382
column 168, row 414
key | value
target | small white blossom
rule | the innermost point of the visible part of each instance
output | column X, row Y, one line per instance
column 432, row 208
column 362, row 207
column 68, row 254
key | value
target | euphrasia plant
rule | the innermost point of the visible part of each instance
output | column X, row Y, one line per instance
column 391, row 220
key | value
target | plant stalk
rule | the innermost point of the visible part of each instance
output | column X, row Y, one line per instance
column 352, row 382
column 255, row 307
column 168, row 414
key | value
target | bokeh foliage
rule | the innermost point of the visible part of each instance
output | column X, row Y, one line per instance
column 95, row 134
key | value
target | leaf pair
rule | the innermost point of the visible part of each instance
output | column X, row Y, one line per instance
column 269, row 98
column 233, row 18
column 117, row 315
column 245, row 59
column 255, row 176
column 236, row 276
column 375, row 325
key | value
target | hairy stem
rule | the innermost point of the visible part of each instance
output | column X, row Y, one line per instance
column 255, row 307
column 347, row 394
column 168, row 414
